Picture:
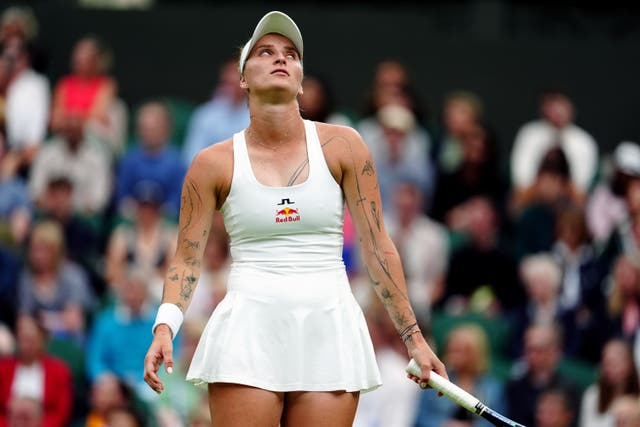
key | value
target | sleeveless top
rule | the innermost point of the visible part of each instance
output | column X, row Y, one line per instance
column 80, row 93
column 285, row 229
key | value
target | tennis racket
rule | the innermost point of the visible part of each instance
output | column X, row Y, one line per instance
column 462, row 398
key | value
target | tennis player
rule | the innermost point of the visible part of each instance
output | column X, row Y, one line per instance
column 288, row 345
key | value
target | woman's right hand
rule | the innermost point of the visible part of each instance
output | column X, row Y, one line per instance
column 160, row 350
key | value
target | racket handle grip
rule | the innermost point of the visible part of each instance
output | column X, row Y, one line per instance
column 449, row 389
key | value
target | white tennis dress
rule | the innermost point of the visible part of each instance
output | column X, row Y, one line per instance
column 289, row 320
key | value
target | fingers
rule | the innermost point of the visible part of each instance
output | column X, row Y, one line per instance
column 152, row 363
column 167, row 354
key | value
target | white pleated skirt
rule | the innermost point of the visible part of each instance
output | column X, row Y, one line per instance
column 293, row 332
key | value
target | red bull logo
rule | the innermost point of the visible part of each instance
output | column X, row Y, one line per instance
column 287, row 215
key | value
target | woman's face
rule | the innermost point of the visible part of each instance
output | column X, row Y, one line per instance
column 42, row 255
column 85, row 59
column 616, row 365
column 273, row 65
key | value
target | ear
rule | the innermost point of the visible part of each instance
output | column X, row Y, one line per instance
column 300, row 91
column 243, row 83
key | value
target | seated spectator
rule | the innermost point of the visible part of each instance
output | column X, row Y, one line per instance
column 478, row 174
column 81, row 238
column 21, row 22
column 88, row 92
column 541, row 276
column 70, row 154
column 7, row 341
column 617, row 377
column 607, row 206
column 462, row 114
column 554, row 409
column 542, row 353
column 26, row 109
column 554, row 129
column 481, row 275
column 535, row 210
column 125, row 325
column 53, row 289
column 225, row 114
column 147, row 243
column 152, row 159
column 400, row 148
column 33, row 374
column 466, row 356
column 317, row 104
column 107, row 393
column 212, row 286
column 626, row 411
column 16, row 209
column 423, row 247
column 624, row 299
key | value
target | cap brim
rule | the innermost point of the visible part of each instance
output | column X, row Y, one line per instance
column 273, row 22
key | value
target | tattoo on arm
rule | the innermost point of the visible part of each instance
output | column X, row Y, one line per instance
column 191, row 204
column 375, row 214
column 386, row 294
column 368, row 168
column 192, row 261
column 180, row 306
column 186, row 286
column 191, row 244
column 296, row 173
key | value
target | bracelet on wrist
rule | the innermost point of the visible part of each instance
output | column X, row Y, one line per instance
column 170, row 315
column 408, row 335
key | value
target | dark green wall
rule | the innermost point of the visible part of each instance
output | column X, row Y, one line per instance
column 504, row 51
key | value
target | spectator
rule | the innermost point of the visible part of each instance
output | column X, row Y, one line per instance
column 225, row 114
column 81, row 238
column 624, row 299
column 70, row 154
column 554, row 409
column 152, row 159
column 125, row 416
column 541, row 276
column 88, row 92
column 423, row 247
column 400, row 148
column 107, row 393
column 147, row 243
column 126, row 324
column 477, row 175
column 10, row 268
column 555, row 130
column 35, row 375
column 20, row 22
column 535, row 210
column 482, row 275
column 542, row 353
column 317, row 104
column 607, row 208
column 462, row 115
column 617, row 378
column 626, row 411
column 467, row 357
column 27, row 109
column 53, row 289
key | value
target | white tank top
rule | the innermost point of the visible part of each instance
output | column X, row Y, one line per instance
column 285, row 229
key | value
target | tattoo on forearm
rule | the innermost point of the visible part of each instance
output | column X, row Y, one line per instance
column 192, row 261
column 386, row 294
column 400, row 320
column 180, row 306
column 375, row 214
column 374, row 281
column 186, row 286
column 174, row 278
column 191, row 244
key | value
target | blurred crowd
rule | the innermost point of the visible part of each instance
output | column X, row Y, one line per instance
column 523, row 266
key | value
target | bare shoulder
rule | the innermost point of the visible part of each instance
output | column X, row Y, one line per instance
column 213, row 167
column 342, row 145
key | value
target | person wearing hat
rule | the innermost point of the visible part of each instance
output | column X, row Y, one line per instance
column 288, row 345
column 607, row 208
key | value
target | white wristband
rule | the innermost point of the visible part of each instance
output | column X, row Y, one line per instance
column 170, row 315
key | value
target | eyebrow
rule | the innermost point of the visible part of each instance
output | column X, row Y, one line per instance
column 272, row 46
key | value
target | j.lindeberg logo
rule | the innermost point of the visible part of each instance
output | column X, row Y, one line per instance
column 287, row 214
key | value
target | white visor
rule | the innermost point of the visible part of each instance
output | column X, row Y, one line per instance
column 273, row 22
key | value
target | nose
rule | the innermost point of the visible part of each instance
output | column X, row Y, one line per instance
column 281, row 58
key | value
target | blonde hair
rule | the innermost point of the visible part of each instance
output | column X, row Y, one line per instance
column 541, row 265
column 50, row 233
column 468, row 98
column 479, row 345
column 24, row 17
